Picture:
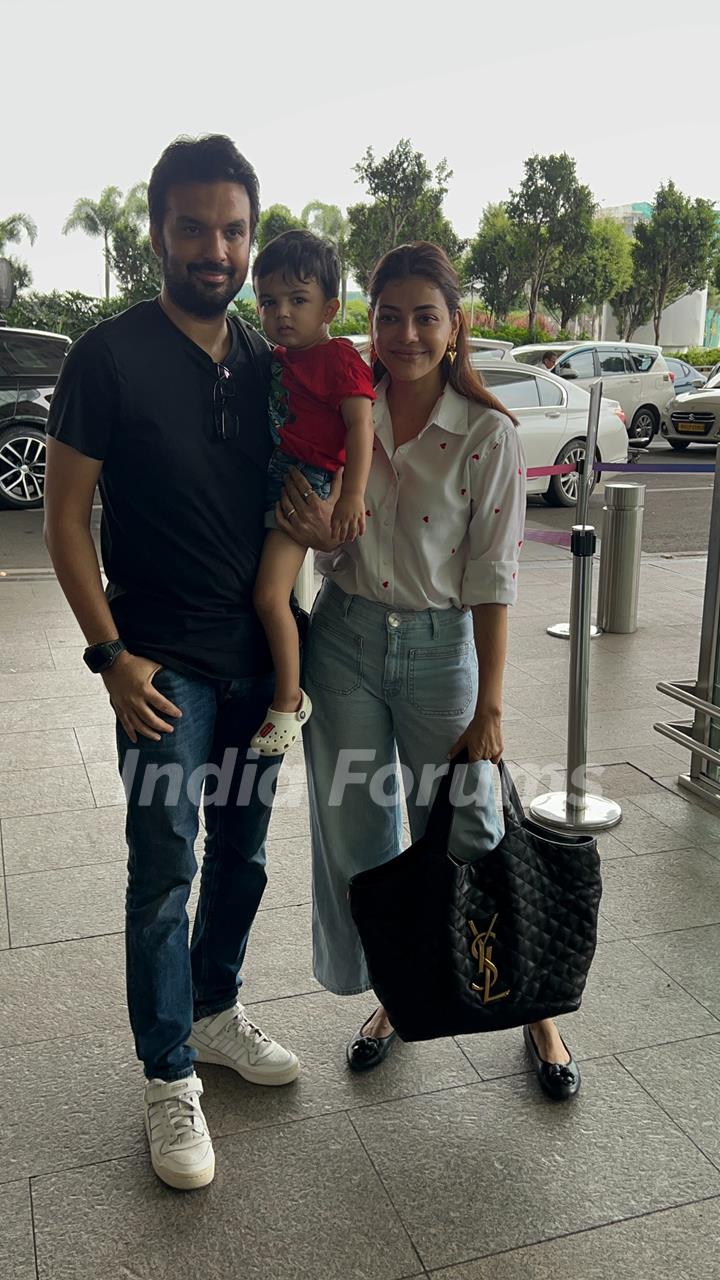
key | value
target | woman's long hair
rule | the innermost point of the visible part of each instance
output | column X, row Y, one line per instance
column 424, row 259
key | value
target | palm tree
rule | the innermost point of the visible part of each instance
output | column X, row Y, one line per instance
column 12, row 229
column 326, row 220
column 99, row 218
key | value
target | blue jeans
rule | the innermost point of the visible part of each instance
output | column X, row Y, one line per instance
column 384, row 683
column 168, row 984
column 318, row 478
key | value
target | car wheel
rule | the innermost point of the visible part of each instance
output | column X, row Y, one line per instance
column 678, row 444
column 22, row 467
column 643, row 427
column 563, row 490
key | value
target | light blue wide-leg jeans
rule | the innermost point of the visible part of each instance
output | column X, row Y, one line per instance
column 387, row 686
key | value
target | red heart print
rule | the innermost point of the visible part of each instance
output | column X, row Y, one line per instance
column 476, row 457
column 514, row 575
column 386, row 584
column 452, row 553
column 497, row 511
column 463, row 492
column 426, row 519
column 519, row 471
column 520, row 542
column 444, row 444
column 368, row 513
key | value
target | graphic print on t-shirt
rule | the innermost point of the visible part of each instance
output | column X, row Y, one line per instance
column 278, row 407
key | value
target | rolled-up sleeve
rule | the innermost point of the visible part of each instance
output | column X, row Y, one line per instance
column 497, row 487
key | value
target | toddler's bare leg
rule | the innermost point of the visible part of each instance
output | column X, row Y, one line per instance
column 280, row 565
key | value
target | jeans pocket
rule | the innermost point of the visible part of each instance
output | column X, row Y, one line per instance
column 440, row 679
column 333, row 658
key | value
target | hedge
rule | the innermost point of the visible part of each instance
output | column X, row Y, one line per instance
column 697, row 355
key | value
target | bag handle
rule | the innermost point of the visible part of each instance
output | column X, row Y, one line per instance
column 443, row 811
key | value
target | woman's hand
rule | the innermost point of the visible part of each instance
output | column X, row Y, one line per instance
column 303, row 516
column 482, row 738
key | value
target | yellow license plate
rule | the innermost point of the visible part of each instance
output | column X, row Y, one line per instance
column 694, row 427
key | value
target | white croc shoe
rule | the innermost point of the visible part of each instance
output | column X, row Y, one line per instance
column 230, row 1039
column 181, row 1149
column 281, row 728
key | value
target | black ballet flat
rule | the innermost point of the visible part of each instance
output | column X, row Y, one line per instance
column 365, row 1052
column 560, row 1081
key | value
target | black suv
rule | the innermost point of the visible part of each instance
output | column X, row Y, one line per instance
column 30, row 362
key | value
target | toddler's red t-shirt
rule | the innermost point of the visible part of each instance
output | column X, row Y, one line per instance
column 306, row 391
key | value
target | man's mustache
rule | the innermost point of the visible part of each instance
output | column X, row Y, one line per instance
column 213, row 267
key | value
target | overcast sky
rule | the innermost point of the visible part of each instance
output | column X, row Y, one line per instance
column 92, row 92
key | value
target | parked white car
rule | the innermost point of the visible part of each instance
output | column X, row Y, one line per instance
column 633, row 373
column 693, row 417
column 553, row 417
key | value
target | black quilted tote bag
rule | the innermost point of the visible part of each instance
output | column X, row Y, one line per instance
column 454, row 948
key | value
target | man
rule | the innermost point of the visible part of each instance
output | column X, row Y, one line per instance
column 549, row 360
column 165, row 407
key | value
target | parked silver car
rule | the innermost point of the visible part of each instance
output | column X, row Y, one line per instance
column 633, row 373
column 693, row 417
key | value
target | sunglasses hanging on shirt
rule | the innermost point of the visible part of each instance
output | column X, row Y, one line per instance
column 224, row 412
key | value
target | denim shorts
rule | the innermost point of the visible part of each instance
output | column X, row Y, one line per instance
column 318, row 478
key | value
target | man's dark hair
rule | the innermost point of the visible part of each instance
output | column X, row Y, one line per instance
column 300, row 255
column 212, row 158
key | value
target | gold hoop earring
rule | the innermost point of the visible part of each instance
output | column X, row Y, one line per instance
column 451, row 353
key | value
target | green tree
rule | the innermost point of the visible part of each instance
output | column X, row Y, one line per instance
column 12, row 230
column 633, row 305
column 494, row 261
column 328, row 221
column 99, row 218
column 247, row 311
column 407, row 205
column 273, row 221
column 552, row 213
column 677, row 248
column 69, row 313
column 587, row 277
column 134, row 263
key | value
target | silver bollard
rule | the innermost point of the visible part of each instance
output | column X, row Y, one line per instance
column 573, row 808
column 620, row 548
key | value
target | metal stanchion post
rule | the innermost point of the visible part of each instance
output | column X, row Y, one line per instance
column 561, row 630
column 574, row 808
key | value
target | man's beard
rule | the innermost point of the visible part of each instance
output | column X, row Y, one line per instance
column 192, row 295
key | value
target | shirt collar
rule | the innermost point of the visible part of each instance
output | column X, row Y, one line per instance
column 450, row 412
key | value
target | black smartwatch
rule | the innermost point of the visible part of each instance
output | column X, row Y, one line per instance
column 98, row 657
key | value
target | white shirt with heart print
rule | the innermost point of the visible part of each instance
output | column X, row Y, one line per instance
column 445, row 512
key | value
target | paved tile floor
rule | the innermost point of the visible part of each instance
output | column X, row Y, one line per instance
column 447, row 1161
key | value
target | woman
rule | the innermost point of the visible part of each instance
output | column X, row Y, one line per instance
column 407, row 640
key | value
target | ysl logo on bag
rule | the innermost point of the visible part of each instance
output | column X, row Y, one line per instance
column 482, row 952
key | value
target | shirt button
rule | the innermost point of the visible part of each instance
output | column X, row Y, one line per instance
column 393, row 620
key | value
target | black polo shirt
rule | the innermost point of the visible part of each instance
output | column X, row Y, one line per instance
column 182, row 524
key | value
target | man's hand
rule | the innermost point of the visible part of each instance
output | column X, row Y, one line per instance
column 134, row 699
column 348, row 517
column 309, row 523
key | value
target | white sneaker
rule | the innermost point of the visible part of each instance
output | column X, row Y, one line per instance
column 180, row 1146
column 230, row 1039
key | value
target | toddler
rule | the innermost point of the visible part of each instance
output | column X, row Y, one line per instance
column 320, row 413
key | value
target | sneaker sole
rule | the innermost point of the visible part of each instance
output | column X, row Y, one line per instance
column 185, row 1181
column 286, row 1076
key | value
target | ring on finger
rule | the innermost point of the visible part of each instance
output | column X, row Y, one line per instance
column 289, row 514
column 306, row 494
